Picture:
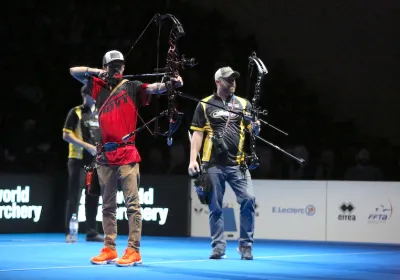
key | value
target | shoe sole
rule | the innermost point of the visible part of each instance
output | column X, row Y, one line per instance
column 222, row 257
column 129, row 264
column 105, row 262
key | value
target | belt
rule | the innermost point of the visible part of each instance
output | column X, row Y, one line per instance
column 112, row 146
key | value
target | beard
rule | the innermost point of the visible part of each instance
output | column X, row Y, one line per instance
column 114, row 76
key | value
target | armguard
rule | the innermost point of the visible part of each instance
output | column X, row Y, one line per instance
column 92, row 181
column 203, row 188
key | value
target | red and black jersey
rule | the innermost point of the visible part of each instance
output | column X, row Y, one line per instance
column 118, row 111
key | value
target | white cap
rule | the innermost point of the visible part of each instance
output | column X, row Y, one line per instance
column 226, row 72
column 112, row 56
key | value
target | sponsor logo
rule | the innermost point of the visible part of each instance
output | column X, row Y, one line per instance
column 347, row 209
column 222, row 114
column 309, row 210
column 146, row 200
column 381, row 214
column 14, row 205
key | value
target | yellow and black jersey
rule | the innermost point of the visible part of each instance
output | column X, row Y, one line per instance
column 84, row 124
column 215, row 121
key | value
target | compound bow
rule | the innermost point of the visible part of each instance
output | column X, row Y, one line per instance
column 252, row 160
column 173, row 63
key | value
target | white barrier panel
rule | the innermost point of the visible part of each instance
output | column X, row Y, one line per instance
column 363, row 211
column 291, row 210
column 285, row 210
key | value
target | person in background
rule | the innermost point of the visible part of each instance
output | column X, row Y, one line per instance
column 81, row 131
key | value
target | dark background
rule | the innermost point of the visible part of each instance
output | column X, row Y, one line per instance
column 332, row 81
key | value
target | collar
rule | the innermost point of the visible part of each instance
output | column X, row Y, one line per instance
column 229, row 99
column 87, row 108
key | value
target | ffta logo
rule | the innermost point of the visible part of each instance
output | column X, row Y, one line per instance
column 381, row 214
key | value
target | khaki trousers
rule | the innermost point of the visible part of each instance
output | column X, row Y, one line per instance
column 128, row 177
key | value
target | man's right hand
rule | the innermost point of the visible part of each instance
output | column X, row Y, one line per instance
column 194, row 168
column 91, row 149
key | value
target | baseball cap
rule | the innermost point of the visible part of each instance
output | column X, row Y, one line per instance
column 226, row 72
column 112, row 56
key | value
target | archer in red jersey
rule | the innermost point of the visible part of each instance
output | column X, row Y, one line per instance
column 118, row 101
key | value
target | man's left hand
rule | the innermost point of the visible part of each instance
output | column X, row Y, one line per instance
column 178, row 82
column 255, row 127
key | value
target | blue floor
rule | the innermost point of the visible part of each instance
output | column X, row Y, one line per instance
column 46, row 256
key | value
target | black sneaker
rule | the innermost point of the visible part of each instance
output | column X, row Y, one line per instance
column 218, row 253
column 95, row 238
column 245, row 252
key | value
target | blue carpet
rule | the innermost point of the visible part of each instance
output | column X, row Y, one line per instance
column 46, row 256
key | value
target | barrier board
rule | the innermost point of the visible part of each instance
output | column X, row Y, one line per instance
column 290, row 210
column 164, row 205
column 284, row 210
column 363, row 212
column 25, row 203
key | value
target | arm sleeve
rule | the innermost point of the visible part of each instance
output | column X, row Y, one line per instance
column 71, row 121
column 137, row 92
column 247, row 123
column 199, row 119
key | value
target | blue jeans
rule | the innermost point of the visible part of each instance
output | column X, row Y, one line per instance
column 243, row 188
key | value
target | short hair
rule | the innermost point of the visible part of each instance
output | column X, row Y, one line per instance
column 84, row 90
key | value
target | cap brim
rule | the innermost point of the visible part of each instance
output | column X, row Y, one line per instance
column 235, row 74
column 115, row 60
